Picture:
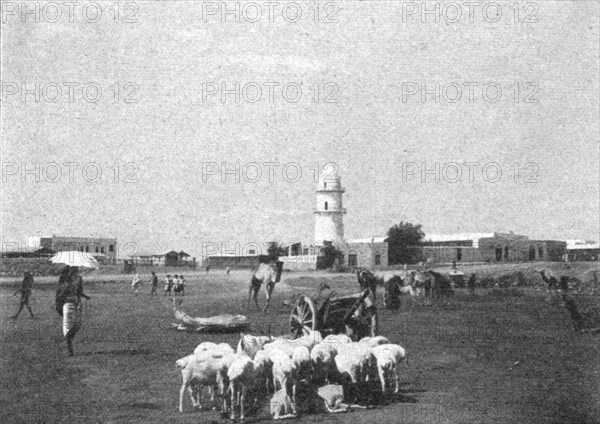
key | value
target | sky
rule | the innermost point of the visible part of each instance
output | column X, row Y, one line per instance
column 426, row 122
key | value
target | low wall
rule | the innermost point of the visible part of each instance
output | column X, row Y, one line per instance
column 299, row 263
column 15, row 267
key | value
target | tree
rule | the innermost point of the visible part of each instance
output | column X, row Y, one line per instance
column 275, row 250
column 329, row 253
column 403, row 242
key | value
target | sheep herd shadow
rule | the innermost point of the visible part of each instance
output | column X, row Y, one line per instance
column 363, row 397
column 117, row 352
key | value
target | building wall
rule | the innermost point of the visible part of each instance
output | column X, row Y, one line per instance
column 580, row 254
column 449, row 253
column 498, row 249
column 106, row 246
column 554, row 249
column 365, row 254
column 149, row 260
column 233, row 262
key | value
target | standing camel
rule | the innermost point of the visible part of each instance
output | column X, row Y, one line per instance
column 268, row 275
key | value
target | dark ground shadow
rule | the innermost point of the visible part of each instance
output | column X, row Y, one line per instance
column 118, row 352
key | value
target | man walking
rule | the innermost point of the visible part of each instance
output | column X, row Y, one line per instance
column 153, row 283
column 25, row 291
column 68, row 297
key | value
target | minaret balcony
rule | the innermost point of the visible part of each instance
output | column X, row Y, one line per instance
column 330, row 211
column 331, row 190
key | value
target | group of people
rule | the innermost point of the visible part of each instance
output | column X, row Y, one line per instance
column 175, row 284
column 69, row 294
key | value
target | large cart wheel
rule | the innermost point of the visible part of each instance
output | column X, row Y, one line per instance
column 303, row 317
column 361, row 319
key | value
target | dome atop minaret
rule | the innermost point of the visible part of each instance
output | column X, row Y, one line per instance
column 330, row 178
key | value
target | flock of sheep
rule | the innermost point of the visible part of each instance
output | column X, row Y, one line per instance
column 262, row 364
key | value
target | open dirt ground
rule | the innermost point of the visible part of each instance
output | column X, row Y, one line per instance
column 480, row 359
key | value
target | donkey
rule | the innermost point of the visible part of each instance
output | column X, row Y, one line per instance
column 267, row 274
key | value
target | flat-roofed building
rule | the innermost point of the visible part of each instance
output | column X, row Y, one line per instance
column 104, row 249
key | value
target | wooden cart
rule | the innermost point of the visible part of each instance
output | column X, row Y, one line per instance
column 354, row 315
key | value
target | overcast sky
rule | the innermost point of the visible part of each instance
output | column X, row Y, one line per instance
column 369, row 118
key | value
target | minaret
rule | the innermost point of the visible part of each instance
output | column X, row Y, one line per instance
column 329, row 216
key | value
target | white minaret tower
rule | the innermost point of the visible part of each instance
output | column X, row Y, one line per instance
column 329, row 216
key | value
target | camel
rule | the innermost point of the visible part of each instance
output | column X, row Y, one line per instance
column 395, row 284
column 267, row 274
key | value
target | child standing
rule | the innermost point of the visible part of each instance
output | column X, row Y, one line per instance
column 168, row 285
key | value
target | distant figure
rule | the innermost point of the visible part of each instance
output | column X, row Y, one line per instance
column 168, row 285
column 392, row 293
column 471, row 284
column 179, row 287
column 25, row 291
column 207, row 268
column 227, row 270
column 176, row 285
column 564, row 287
column 69, row 294
column 551, row 285
column 153, row 283
column 135, row 284
column 453, row 263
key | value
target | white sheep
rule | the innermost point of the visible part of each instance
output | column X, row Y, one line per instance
column 322, row 356
column 225, row 348
column 284, row 373
column 375, row 341
column 205, row 369
column 309, row 340
column 281, row 405
column 399, row 352
column 250, row 344
column 337, row 338
column 301, row 358
column 204, row 346
column 286, row 346
column 266, row 364
column 243, row 374
column 356, row 361
column 388, row 358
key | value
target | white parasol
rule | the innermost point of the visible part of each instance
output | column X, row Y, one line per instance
column 75, row 258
